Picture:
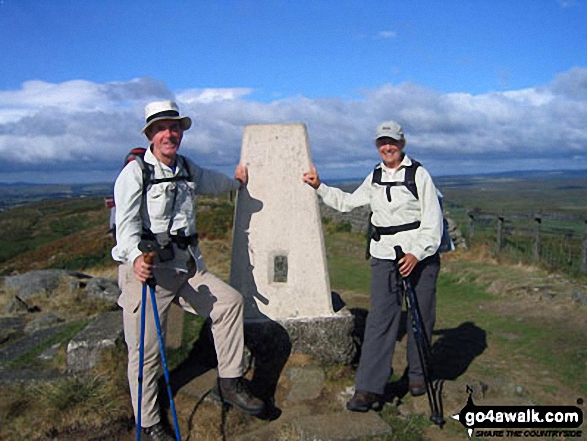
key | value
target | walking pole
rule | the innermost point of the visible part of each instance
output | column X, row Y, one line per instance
column 148, row 257
column 433, row 388
column 149, row 254
column 164, row 362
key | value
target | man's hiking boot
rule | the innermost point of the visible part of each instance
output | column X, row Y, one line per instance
column 235, row 391
column 417, row 388
column 365, row 401
column 157, row 432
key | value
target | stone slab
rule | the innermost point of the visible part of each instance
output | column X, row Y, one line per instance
column 12, row 377
column 327, row 339
column 27, row 343
column 86, row 348
column 278, row 255
column 10, row 327
column 306, row 383
column 341, row 426
column 200, row 386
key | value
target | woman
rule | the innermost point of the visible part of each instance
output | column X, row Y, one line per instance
column 405, row 213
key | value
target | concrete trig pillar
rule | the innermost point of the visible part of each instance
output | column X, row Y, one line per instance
column 278, row 255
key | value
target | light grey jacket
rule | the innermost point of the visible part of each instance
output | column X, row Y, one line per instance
column 132, row 216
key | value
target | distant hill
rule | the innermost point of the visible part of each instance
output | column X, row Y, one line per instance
column 546, row 190
column 559, row 191
column 21, row 193
column 523, row 175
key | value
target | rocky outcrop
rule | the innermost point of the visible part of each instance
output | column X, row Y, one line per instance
column 85, row 350
column 45, row 282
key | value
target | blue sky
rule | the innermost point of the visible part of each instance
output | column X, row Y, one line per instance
column 479, row 86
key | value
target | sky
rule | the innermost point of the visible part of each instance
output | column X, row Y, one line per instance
column 479, row 86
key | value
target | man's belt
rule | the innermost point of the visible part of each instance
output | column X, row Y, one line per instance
column 164, row 239
column 386, row 231
column 183, row 242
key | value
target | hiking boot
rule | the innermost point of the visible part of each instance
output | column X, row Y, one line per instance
column 364, row 401
column 417, row 388
column 157, row 432
column 235, row 391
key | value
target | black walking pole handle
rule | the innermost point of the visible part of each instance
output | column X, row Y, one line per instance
column 149, row 253
column 399, row 253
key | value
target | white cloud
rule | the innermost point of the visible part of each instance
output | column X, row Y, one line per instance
column 565, row 4
column 79, row 124
column 82, row 95
column 386, row 34
column 205, row 96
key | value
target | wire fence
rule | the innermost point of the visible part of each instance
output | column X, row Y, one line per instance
column 557, row 241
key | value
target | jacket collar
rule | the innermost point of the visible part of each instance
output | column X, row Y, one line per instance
column 406, row 162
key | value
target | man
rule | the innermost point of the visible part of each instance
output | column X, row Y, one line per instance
column 162, row 212
column 406, row 213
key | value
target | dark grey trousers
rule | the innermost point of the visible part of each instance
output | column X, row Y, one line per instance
column 384, row 318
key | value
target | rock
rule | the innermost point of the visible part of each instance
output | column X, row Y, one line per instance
column 40, row 282
column 10, row 326
column 342, row 426
column 50, row 352
column 28, row 343
column 328, row 339
column 86, row 348
column 102, row 288
column 17, row 306
column 580, row 297
column 42, row 322
column 306, row 383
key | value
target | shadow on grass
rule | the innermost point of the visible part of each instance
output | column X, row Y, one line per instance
column 453, row 352
column 269, row 348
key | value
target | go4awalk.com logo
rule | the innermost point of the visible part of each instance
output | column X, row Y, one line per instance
column 520, row 421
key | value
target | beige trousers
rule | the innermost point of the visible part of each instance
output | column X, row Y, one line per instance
column 200, row 292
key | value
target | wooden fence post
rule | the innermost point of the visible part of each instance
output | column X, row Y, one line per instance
column 538, row 219
column 500, row 232
column 471, row 226
column 584, row 260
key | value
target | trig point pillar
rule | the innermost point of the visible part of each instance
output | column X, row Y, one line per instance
column 278, row 255
column 279, row 261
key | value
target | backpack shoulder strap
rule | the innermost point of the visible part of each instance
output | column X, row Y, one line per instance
column 185, row 165
column 376, row 175
column 410, row 178
column 147, row 170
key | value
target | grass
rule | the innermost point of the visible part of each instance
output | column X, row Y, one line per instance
column 30, row 227
column 192, row 326
column 348, row 269
column 31, row 358
column 45, row 410
column 410, row 428
column 543, row 342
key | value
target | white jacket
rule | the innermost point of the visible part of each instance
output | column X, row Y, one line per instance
column 132, row 216
column 404, row 208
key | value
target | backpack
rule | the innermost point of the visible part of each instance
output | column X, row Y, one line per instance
column 373, row 232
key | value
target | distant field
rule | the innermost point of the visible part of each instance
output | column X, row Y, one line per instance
column 12, row 195
column 27, row 228
column 547, row 192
